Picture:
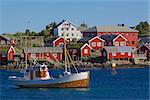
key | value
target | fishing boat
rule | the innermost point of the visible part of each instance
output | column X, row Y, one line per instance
column 38, row 76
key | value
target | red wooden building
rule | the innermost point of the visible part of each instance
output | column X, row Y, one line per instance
column 120, row 41
column 85, row 50
column 117, row 52
column 130, row 34
column 56, row 42
column 44, row 53
column 144, row 50
column 5, row 41
column 6, row 54
column 96, row 43
column 80, row 51
column 59, row 42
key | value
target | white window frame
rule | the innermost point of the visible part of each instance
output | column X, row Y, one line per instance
column 113, row 53
column 33, row 55
column 122, row 44
column 99, row 44
column 3, row 42
column 85, row 51
column 54, row 54
column 93, row 44
column 116, row 43
column 122, row 53
column 129, row 53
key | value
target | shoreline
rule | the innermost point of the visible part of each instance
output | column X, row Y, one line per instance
column 87, row 67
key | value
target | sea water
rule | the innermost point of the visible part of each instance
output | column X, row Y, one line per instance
column 126, row 84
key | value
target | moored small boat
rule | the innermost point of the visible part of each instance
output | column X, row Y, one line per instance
column 38, row 76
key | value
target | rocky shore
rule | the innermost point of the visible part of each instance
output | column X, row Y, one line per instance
column 88, row 66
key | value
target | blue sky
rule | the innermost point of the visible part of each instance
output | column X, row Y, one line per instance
column 15, row 14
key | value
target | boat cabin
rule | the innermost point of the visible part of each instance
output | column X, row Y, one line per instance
column 37, row 72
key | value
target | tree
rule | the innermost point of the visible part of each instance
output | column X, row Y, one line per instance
column 143, row 28
column 33, row 33
column 44, row 33
column 27, row 32
column 19, row 34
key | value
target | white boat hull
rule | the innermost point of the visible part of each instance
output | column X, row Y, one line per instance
column 76, row 80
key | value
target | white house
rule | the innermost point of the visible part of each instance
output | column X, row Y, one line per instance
column 68, row 30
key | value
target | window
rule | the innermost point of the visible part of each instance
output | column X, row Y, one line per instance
column 86, row 51
column 99, row 44
column 129, row 53
column 3, row 55
column 62, row 29
column 122, row 53
column 113, row 53
column 133, row 34
column 72, row 29
column 54, row 54
column 3, row 42
column 132, row 42
column 67, row 34
column 93, row 44
column 129, row 34
column 62, row 34
column 66, row 28
column 33, row 55
column 72, row 34
column 116, row 43
column 121, row 43
column 74, row 51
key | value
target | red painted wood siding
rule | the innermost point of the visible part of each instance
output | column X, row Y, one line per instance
column 96, row 40
column 59, row 56
column 83, row 54
column 38, row 56
column 144, row 49
column 118, row 55
column 58, row 42
column 47, row 56
column 3, row 58
column 11, row 54
column 132, row 37
column 119, row 40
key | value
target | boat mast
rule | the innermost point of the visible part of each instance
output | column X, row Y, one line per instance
column 65, row 53
column 26, row 53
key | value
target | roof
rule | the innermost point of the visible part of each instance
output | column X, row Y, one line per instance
column 63, row 22
column 95, row 38
column 85, row 39
column 43, row 49
column 4, row 49
column 110, row 29
column 108, row 38
column 60, row 38
column 86, row 45
column 82, row 28
column 146, row 45
column 144, row 39
column 118, row 49
column 119, row 36
column 75, row 45
column 5, row 37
